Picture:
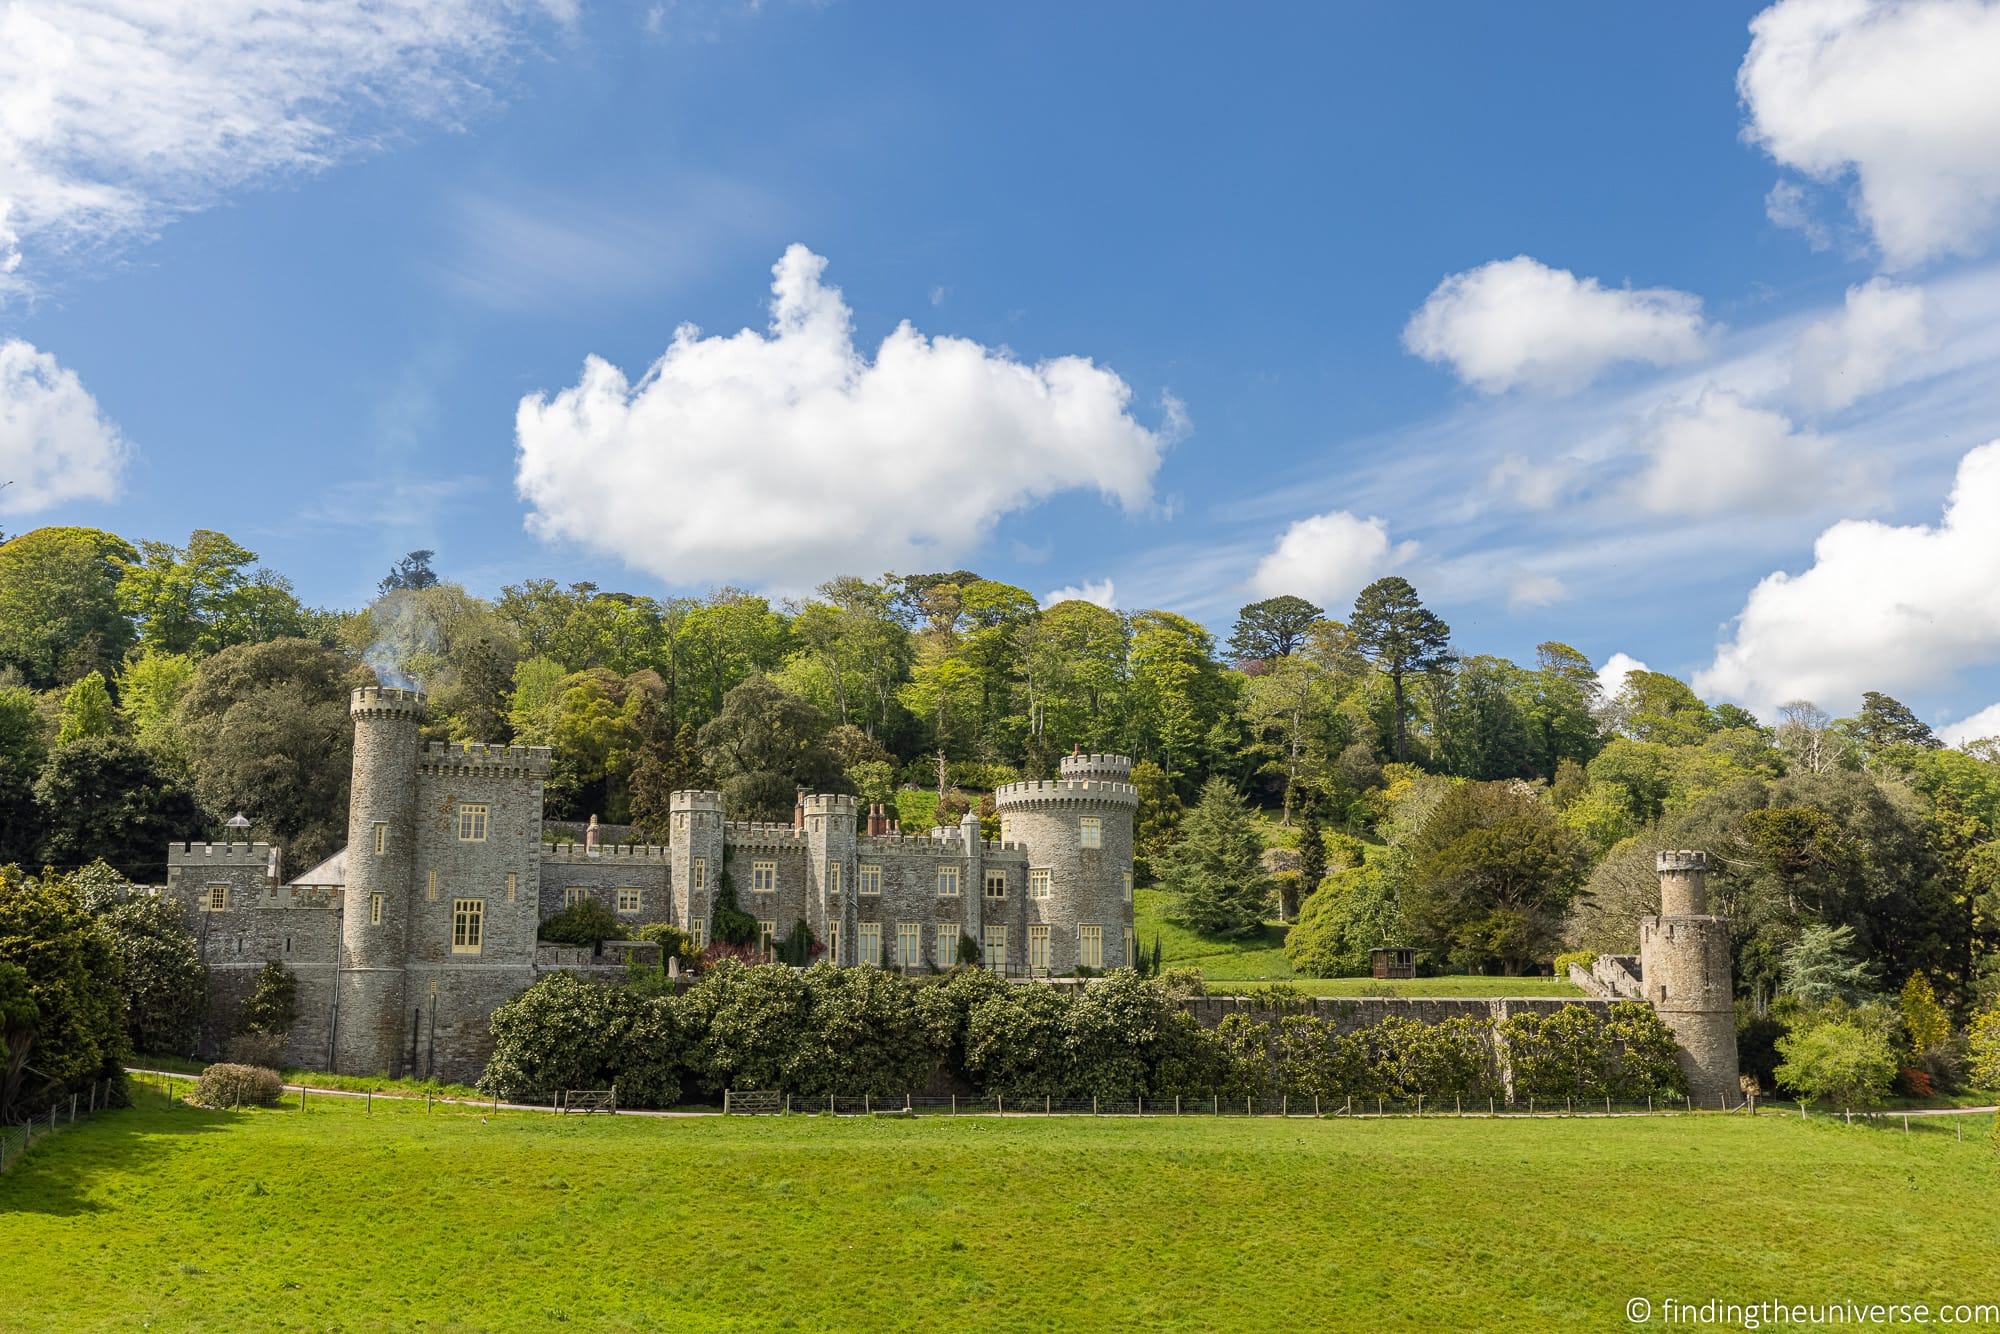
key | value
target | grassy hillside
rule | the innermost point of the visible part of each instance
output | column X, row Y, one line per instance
column 183, row 1219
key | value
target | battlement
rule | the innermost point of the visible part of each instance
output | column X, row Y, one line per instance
column 571, row 853
column 695, row 799
column 1684, row 860
column 383, row 701
column 756, row 832
column 1067, row 790
column 220, row 854
column 480, row 755
column 830, row 803
column 1113, row 768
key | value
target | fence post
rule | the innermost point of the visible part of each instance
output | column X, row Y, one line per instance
column 72, row 1109
column 1000, row 1103
column 1048, row 1105
column 302, row 1097
column 1284, row 1104
column 1215, row 1104
column 1906, row 1123
column 1420, row 1104
column 1093, row 1110
column 1649, row 1104
column 369, row 1106
column 1246, row 1107
column 1315, row 1104
column 954, row 1104
column 1177, row 1104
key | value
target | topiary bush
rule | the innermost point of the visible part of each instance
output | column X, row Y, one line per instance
column 227, row 1084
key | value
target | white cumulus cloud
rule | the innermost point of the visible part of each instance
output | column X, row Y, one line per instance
column 1901, row 96
column 1981, row 726
column 55, row 445
column 1864, row 348
column 789, row 456
column 1518, row 322
column 1328, row 558
column 1535, row 590
column 1100, row 591
column 1721, row 454
column 1882, row 607
column 1611, row 676
column 118, row 115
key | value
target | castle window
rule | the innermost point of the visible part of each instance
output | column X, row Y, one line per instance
column 381, row 837
column 513, row 886
column 870, row 951
column 948, row 882
column 374, row 910
column 218, row 898
column 946, row 945
column 996, row 948
column 698, row 928
column 764, row 877
column 628, row 900
column 468, row 925
column 573, row 895
column 1038, row 949
column 698, row 873
column 1128, row 886
column 766, row 933
column 1131, row 950
column 1006, row 829
column 431, row 885
column 909, row 947
column 1090, row 946
column 833, row 942
column 1038, row 882
column 833, row 877
column 472, row 822
column 871, row 878
column 1090, row 833
column 996, row 884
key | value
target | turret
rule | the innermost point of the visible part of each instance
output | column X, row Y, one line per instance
column 1686, row 968
column 381, row 876
column 832, row 870
column 694, row 851
column 1077, row 832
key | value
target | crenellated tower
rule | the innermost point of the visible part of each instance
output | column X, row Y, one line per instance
column 832, row 894
column 694, row 852
column 1077, row 832
column 381, row 875
column 1686, row 968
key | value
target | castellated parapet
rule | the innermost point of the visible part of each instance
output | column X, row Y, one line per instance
column 1106, row 768
column 1076, row 908
column 1686, row 968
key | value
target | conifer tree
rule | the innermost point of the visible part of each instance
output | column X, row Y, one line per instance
column 1216, row 866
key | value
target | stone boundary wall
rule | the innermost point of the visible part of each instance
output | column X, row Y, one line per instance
column 1350, row 1014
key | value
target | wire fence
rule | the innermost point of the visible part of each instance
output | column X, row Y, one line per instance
column 16, row 1139
column 764, row 1102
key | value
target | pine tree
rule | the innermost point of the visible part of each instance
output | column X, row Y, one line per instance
column 1394, row 630
column 1216, row 867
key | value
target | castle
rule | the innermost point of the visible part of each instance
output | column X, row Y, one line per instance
column 405, row 942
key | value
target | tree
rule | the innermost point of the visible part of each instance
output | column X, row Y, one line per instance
column 1807, row 739
column 1820, row 967
column 412, row 573
column 150, row 689
column 1886, row 722
column 1216, row 866
column 103, row 799
column 1273, row 628
column 72, row 993
column 203, row 597
column 1395, row 631
column 87, row 711
column 1982, row 1042
column 272, row 1006
column 763, row 746
column 165, row 981
column 1180, row 694
column 1838, row 1062
column 455, row 645
column 59, row 610
column 1925, row 1022
column 269, row 733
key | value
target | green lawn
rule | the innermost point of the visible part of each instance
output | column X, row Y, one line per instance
column 174, row 1218
column 1261, row 958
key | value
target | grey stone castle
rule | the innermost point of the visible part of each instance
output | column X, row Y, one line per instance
column 405, row 942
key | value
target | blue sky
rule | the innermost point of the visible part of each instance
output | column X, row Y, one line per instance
column 1743, row 291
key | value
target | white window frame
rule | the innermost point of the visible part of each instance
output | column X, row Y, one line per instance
column 218, row 898
column 513, row 886
column 698, row 928
column 833, row 942
column 1038, row 947
column 947, row 881
column 473, row 819
column 909, row 945
column 764, row 876
column 468, row 926
column 375, row 909
column 431, row 885
column 1089, row 943
column 868, row 945
column 623, row 906
column 868, row 879
column 1041, row 882
column 996, row 884
column 1128, row 885
column 699, row 874
column 833, row 877
column 1090, row 832
column 381, row 837
column 945, row 943
column 575, row 894
column 993, row 946
column 767, row 936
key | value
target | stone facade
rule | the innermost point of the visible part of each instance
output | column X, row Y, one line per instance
column 406, row 941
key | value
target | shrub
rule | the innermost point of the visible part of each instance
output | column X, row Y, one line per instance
column 1581, row 958
column 1647, row 1057
column 1572, row 1053
column 1838, row 1062
column 255, row 1048
column 860, row 1033
column 555, row 1035
column 585, row 922
column 750, row 1021
column 273, row 1003
column 1014, row 1042
column 229, row 1085
column 673, row 942
column 1983, row 1049
column 1316, row 1060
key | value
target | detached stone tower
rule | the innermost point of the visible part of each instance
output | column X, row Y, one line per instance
column 1685, row 967
column 381, row 873
column 1078, row 835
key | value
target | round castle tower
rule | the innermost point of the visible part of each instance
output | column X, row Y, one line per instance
column 1078, row 828
column 381, row 876
column 1686, row 968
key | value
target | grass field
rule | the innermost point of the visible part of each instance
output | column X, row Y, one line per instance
column 1261, row 958
column 174, row 1218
